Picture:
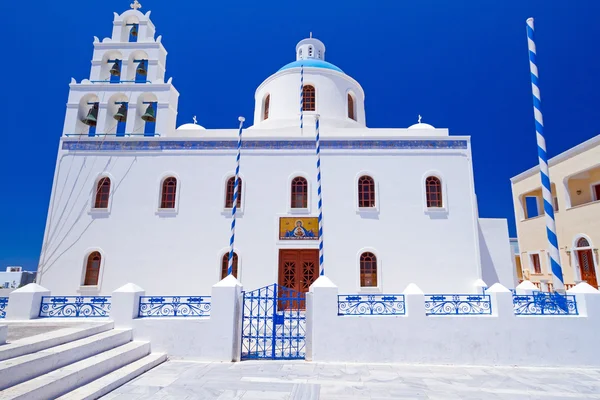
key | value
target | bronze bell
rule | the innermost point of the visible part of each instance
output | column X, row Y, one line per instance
column 92, row 116
column 121, row 115
column 141, row 68
column 134, row 30
column 115, row 70
column 149, row 115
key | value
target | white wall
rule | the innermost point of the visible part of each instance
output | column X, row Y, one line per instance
column 180, row 252
column 497, row 260
column 501, row 339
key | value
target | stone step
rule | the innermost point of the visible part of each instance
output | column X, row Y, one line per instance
column 46, row 340
column 66, row 379
column 20, row 369
column 110, row 382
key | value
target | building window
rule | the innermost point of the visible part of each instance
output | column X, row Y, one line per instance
column 366, row 192
column 299, row 193
column 225, row 265
column 310, row 51
column 368, row 270
column 555, row 204
column 92, row 269
column 535, row 263
column 266, row 107
column 433, row 189
column 102, row 193
column 596, row 191
column 309, row 98
column 169, row 191
column 229, row 192
column 351, row 107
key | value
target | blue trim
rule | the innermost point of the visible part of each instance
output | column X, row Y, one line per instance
column 174, row 306
column 542, row 303
column 264, row 145
column 74, row 306
column 3, row 305
column 371, row 304
column 311, row 63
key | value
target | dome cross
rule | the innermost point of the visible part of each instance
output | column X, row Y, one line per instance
column 135, row 5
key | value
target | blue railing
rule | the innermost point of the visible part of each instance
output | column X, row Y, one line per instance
column 75, row 306
column 174, row 306
column 3, row 304
column 371, row 304
column 457, row 304
column 542, row 303
column 113, row 134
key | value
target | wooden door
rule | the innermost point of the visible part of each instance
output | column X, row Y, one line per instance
column 586, row 267
column 298, row 269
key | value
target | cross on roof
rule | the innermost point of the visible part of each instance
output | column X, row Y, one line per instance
column 135, row 5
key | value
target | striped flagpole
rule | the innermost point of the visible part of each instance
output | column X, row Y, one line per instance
column 301, row 99
column 543, row 159
column 235, row 197
column 318, row 148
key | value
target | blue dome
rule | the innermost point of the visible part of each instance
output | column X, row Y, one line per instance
column 311, row 63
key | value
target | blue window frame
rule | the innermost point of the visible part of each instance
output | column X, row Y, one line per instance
column 531, row 206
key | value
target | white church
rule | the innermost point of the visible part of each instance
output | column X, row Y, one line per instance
column 137, row 199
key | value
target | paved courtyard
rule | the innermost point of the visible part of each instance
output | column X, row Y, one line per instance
column 264, row 380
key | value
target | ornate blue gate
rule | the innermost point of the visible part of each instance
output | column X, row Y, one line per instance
column 273, row 324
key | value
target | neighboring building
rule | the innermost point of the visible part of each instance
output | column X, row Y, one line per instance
column 575, row 178
column 514, row 246
column 136, row 200
column 15, row 277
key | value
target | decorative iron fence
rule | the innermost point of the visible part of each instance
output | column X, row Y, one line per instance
column 3, row 304
column 457, row 304
column 542, row 303
column 75, row 306
column 371, row 304
column 174, row 306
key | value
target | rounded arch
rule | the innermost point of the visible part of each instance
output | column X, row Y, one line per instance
column 299, row 192
column 93, row 263
column 290, row 192
column 224, row 263
column 146, row 104
column 118, row 102
column 266, row 106
column 580, row 239
column 132, row 65
column 309, row 97
column 87, row 112
column 351, row 105
column 366, row 193
column 230, row 191
column 169, row 189
column 369, row 268
column 102, row 193
column 434, row 190
column 128, row 23
column 108, row 60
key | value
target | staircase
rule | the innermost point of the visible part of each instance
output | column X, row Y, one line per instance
column 73, row 363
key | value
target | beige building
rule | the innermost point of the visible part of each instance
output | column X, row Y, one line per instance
column 575, row 178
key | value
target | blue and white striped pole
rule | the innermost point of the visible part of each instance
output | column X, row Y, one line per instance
column 235, row 197
column 301, row 99
column 557, row 276
column 318, row 148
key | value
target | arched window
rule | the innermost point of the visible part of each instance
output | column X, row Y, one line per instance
column 433, row 189
column 366, row 192
column 266, row 107
column 169, row 191
column 368, row 270
column 583, row 242
column 310, row 51
column 92, row 269
column 229, row 192
column 225, row 265
column 351, row 114
column 308, row 98
column 102, row 193
column 299, row 193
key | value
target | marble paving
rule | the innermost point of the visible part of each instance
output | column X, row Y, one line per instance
column 299, row 380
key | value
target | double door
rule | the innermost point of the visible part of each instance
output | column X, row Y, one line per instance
column 298, row 269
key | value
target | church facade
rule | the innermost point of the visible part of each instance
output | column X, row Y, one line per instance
column 137, row 199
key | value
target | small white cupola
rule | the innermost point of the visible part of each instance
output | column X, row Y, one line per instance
column 310, row 49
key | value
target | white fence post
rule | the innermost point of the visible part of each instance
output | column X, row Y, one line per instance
column 501, row 300
column 24, row 303
column 225, row 319
column 321, row 315
column 526, row 288
column 124, row 305
column 414, row 302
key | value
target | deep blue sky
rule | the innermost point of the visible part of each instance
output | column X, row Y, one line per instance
column 461, row 64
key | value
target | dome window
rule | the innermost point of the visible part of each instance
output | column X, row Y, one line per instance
column 309, row 98
column 266, row 107
column 351, row 109
column 310, row 51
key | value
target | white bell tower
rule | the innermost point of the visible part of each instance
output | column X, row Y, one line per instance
column 310, row 49
column 126, row 94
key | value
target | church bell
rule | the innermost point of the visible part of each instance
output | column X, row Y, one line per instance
column 121, row 115
column 149, row 115
column 115, row 70
column 134, row 30
column 141, row 68
column 92, row 116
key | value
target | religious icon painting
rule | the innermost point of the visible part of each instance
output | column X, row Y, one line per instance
column 303, row 228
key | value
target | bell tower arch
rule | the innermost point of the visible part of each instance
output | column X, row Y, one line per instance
column 127, row 79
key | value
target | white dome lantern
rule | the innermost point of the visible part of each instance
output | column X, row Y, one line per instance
column 335, row 96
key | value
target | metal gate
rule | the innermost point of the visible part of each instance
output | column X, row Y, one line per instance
column 273, row 324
